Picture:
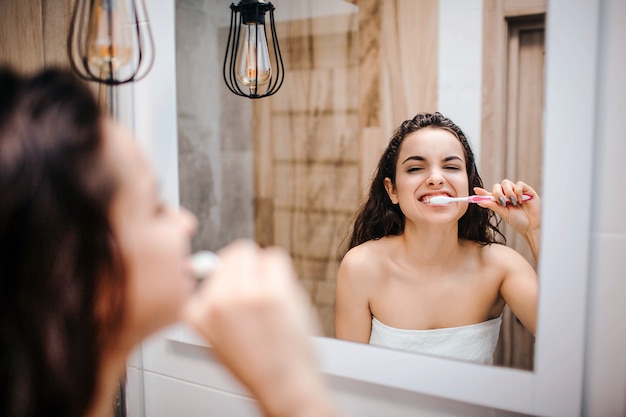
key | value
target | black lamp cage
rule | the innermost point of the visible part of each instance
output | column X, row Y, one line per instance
column 78, row 48
column 252, row 12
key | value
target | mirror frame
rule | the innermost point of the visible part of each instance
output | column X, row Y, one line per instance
column 563, row 270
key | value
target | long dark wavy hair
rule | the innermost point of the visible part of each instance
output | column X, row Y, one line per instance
column 378, row 217
column 61, row 277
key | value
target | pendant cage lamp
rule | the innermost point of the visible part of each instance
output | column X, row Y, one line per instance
column 248, row 67
column 110, row 41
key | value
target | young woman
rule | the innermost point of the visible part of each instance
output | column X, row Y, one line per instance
column 429, row 277
column 92, row 262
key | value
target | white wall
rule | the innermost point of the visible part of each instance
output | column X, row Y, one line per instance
column 605, row 367
column 170, row 378
column 459, row 94
column 152, row 103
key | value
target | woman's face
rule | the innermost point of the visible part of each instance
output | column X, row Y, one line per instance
column 154, row 240
column 431, row 162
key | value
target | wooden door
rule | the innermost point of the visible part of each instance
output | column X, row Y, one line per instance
column 512, row 133
column 523, row 158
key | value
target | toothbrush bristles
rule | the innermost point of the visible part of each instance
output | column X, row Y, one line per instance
column 202, row 263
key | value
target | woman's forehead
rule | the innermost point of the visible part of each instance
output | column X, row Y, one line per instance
column 432, row 141
column 126, row 159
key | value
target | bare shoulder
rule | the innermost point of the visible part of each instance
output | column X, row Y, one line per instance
column 363, row 262
column 362, row 252
column 503, row 257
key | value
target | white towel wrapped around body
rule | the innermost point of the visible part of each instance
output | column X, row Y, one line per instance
column 474, row 342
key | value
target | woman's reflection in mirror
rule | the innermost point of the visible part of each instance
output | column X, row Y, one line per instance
column 435, row 278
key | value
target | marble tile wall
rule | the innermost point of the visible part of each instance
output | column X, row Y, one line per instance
column 214, row 129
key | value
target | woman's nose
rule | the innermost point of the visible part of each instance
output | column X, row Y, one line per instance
column 435, row 179
column 189, row 220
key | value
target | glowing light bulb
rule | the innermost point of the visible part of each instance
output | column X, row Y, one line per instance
column 110, row 36
column 253, row 63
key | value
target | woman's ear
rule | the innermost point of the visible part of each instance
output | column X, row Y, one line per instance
column 391, row 190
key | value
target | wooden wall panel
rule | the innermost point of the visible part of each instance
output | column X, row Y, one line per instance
column 33, row 36
column 493, row 120
column 33, row 33
column 370, row 30
column 21, row 34
column 516, row 8
column 409, row 60
column 398, row 70
column 57, row 15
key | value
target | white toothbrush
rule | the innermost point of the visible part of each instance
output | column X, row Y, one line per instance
column 202, row 263
column 442, row 199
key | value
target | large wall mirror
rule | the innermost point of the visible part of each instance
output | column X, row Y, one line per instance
column 291, row 169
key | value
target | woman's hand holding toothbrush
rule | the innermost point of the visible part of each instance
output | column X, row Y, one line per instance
column 259, row 319
column 523, row 216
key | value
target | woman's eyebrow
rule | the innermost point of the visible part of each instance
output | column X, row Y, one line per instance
column 414, row 158
column 421, row 158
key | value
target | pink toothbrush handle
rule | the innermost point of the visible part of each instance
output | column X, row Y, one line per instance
column 479, row 198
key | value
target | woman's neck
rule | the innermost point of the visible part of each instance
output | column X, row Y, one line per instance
column 111, row 374
column 430, row 244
